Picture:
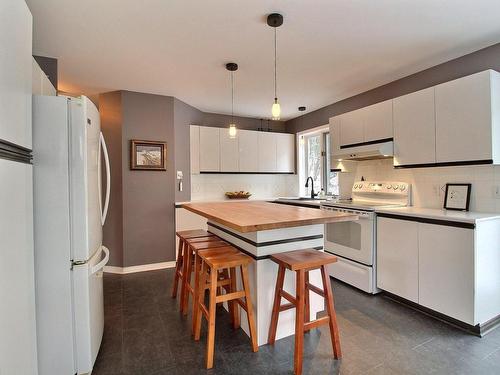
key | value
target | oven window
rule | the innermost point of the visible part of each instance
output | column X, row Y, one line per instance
column 346, row 233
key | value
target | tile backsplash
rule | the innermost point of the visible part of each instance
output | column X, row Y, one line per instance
column 262, row 186
column 428, row 183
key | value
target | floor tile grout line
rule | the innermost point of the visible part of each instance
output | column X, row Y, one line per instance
column 490, row 354
column 423, row 343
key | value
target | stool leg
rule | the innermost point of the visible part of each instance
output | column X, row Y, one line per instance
column 211, row 319
column 201, row 297
column 276, row 306
column 196, row 292
column 334, row 329
column 248, row 300
column 178, row 266
column 235, row 307
column 307, row 311
column 299, row 321
column 188, row 258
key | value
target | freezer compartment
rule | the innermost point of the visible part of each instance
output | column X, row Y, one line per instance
column 88, row 307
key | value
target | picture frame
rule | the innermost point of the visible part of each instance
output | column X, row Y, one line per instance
column 457, row 197
column 148, row 155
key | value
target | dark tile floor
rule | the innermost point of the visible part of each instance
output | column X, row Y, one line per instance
column 145, row 335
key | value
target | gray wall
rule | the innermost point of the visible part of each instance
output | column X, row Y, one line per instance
column 487, row 58
column 111, row 126
column 140, row 227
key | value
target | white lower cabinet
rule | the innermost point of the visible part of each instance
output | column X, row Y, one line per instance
column 446, row 270
column 452, row 268
column 397, row 257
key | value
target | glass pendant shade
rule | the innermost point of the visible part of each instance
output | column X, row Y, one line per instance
column 232, row 131
column 276, row 110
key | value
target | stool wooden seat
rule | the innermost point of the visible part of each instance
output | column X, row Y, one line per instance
column 303, row 261
column 208, row 279
column 179, row 264
column 192, row 245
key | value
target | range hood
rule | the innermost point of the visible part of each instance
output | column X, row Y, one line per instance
column 378, row 150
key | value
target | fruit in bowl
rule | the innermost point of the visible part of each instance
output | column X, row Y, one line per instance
column 238, row 194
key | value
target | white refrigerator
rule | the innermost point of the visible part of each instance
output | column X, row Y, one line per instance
column 69, row 212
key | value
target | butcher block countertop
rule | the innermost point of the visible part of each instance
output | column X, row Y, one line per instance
column 252, row 216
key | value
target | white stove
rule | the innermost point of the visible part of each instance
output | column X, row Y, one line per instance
column 354, row 242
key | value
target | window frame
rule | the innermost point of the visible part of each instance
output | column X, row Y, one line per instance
column 325, row 146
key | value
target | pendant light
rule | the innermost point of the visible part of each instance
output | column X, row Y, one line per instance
column 232, row 67
column 275, row 20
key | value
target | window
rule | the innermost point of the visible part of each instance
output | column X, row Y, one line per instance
column 315, row 162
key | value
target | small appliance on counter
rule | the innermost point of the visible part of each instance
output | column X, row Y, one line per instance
column 354, row 242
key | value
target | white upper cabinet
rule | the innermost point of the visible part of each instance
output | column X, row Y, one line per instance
column 368, row 124
column 378, row 121
column 468, row 118
column 209, row 149
column 15, row 72
column 285, row 153
column 267, row 152
column 248, row 150
column 415, row 128
column 194, row 148
column 352, row 127
column 229, row 151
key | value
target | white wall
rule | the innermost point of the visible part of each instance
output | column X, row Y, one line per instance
column 262, row 186
column 428, row 183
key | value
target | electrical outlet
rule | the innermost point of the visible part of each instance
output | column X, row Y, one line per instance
column 179, row 175
column 496, row 191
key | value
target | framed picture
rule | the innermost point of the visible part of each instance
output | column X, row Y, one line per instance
column 148, row 155
column 457, row 197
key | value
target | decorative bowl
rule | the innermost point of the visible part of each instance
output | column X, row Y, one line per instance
column 238, row 194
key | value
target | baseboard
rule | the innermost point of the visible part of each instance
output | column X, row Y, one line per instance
column 141, row 268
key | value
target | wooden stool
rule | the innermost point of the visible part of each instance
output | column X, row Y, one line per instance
column 213, row 264
column 191, row 246
column 303, row 261
column 179, row 264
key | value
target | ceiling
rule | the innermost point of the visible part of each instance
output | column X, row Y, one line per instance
column 328, row 50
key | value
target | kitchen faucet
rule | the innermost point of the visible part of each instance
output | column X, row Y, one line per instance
column 313, row 194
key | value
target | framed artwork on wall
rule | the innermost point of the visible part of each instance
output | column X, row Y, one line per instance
column 457, row 197
column 148, row 155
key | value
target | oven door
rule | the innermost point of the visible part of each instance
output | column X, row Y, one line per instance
column 353, row 240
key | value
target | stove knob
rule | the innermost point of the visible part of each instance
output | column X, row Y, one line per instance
column 389, row 186
column 360, row 186
column 395, row 187
column 403, row 187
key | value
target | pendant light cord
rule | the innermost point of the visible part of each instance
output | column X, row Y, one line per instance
column 275, row 68
column 232, row 98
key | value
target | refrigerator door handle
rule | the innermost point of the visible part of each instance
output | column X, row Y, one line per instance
column 108, row 178
column 99, row 266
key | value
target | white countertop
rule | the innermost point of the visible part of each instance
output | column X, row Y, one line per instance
column 440, row 214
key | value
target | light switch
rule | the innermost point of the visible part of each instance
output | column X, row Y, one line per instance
column 179, row 175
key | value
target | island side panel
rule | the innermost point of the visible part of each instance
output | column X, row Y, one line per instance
column 263, row 272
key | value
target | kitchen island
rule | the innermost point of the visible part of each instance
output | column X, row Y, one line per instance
column 261, row 229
